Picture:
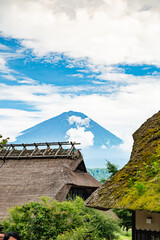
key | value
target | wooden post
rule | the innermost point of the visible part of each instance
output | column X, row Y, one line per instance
column 133, row 225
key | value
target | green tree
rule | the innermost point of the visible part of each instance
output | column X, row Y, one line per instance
column 125, row 218
column 102, row 180
column 54, row 220
column 112, row 168
column 3, row 140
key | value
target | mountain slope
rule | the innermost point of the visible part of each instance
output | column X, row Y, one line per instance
column 97, row 143
column 99, row 173
column 55, row 129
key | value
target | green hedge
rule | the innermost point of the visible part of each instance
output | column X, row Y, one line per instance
column 68, row 220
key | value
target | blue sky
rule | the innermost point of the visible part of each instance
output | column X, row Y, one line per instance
column 97, row 57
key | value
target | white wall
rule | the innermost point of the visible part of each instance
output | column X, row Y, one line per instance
column 141, row 217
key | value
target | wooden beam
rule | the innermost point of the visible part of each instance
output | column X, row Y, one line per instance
column 24, row 148
column 34, row 150
column 58, row 150
column 38, row 144
column 71, row 149
column 48, row 148
column 8, row 149
column 133, row 225
column 10, row 152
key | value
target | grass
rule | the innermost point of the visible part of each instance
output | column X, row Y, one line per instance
column 124, row 235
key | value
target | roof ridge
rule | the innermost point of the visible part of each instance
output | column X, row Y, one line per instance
column 37, row 150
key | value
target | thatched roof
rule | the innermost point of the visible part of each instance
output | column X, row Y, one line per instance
column 137, row 185
column 28, row 177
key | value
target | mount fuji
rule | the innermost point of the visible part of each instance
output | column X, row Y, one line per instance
column 97, row 143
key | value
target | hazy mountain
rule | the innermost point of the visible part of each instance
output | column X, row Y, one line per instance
column 99, row 173
column 97, row 143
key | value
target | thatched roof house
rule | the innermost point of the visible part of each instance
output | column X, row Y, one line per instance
column 137, row 185
column 28, row 171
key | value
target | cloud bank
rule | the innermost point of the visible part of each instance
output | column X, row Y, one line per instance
column 126, row 32
column 97, row 34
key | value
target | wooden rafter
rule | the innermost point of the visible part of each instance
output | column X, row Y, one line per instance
column 36, row 150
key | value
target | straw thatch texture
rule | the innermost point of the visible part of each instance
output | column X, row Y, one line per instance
column 137, row 185
column 24, row 180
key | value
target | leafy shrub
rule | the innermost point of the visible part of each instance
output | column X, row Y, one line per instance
column 78, row 234
column 54, row 220
column 125, row 218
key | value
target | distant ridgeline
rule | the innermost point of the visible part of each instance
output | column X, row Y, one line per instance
column 99, row 173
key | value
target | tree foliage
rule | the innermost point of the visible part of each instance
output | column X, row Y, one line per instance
column 68, row 220
column 112, row 168
column 3, row 140
column 125, row 218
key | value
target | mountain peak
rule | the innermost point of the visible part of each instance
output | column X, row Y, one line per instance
column 70, row 113
column 71, row 126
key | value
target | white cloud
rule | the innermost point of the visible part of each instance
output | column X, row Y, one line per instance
column 143, row 5
column 77, row 75
column 102, row 31
column 80, row 135
column 80, row 122
column 9, row 77
column 119, row 77
column 9, row 73
column 121, row 113
column 26, row 80
column 13, row 121
column 71, row 8
column 103, row 147
column 3, row 65
column 107, row 145
column 3, row 47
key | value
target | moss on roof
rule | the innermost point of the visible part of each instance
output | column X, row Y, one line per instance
column 137, row 185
